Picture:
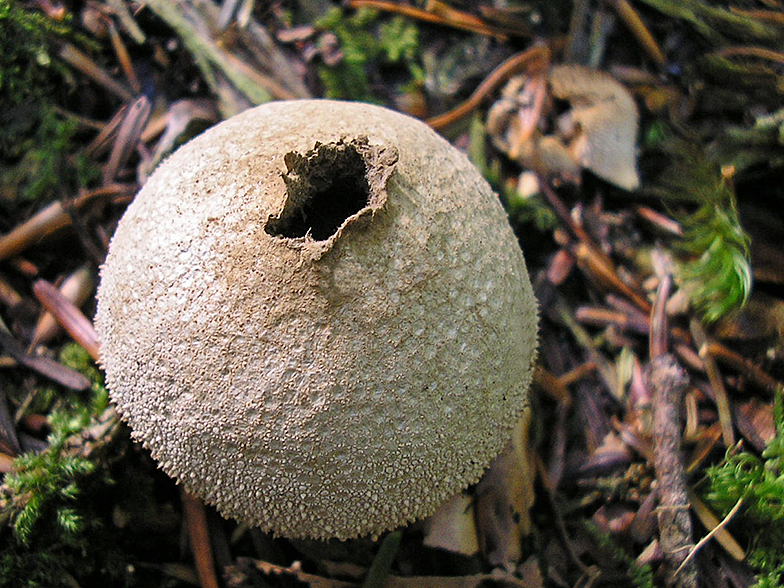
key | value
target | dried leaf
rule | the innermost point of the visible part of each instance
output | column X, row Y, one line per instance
column 452, row 527
column 504, row 497
column 43, row 365
column 77, row 288
column 597, row 133
column 606, row 115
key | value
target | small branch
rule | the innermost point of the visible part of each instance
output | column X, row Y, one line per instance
column 759, row 52
column 637, row 27
column 69, row 316
column 716, row 382
column 667, row 381
column 747, row 367
column 80, row 61
column 196, row 523
column 455, row 19
column 53, row 218
column 535, row 58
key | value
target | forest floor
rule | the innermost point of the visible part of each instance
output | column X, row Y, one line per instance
column 638, row 148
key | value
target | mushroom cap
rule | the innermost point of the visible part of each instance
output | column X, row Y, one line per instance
column 312, row 373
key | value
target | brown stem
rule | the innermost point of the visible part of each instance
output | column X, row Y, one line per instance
column 535, row 58
column 637, row 27
column 659, row 331
column 69, row 316
column 667, row 381
column 465, row 21
column 196, row 523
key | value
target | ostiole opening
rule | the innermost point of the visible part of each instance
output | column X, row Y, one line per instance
column 329, row 184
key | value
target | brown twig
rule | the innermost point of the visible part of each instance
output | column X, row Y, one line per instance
column 590, row 257
column 637, row 27
column 759, row 52
column 196, row 524
column 603, row 317
column 563, row 213
column 53, row 218
column 577, row 373
column 123, row 57
column 745, row 366
column 716, row 382
column 660, row 221
column 8, row 294
column 667, row 381
column 536, row 58
column 456, row 19
column 68, row 316
column 593, row 261
column 772, row 16
column 553, row 386
column 704, row 447
column 92, row 70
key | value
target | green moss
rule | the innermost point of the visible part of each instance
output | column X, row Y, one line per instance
column 39, row 161
column 399, row 40
column 715, row 267
column 366, row 43
column 36, row 144
column 759, row 482
column 47, row 486
column 50, row 501
column 26, row 64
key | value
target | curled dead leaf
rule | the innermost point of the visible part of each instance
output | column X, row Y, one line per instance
column 598, row 131
column 452, row 527
column 504, row 498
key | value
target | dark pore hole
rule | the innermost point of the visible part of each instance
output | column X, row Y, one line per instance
column 325, row 186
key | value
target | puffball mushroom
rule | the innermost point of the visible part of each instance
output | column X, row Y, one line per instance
column 317, row 318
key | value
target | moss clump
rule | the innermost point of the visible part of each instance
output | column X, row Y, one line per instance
column 26, row 64
column 364, row 42
column 715, row 265
column 50, row 501
column 759, row 483
column 36, row 144
column 40, row 160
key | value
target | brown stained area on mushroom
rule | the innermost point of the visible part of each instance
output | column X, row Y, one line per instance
column 331, row 186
